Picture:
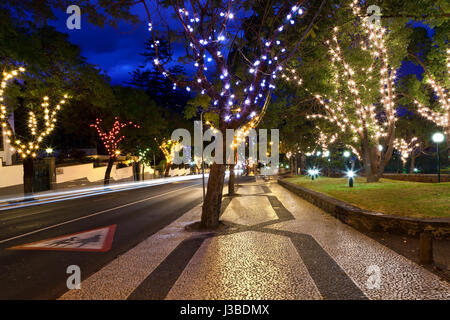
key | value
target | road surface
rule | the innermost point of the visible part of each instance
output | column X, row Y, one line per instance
column 137, row 214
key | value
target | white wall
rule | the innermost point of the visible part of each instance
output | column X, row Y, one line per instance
column 13, row 175
column 10, row 175
column 69, row 173
column 179, row 172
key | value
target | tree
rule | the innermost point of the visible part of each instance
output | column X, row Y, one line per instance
column 363, row 118
column 217, row 37
column 40, row 124
column 441, row 116
column 111, row 140
column 406, row 149
column 169, row 148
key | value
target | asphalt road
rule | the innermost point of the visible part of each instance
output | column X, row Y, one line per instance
column 138, row 213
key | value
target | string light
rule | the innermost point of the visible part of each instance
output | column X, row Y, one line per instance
column 169, row 148
column 28, row 148
column 406, row 148
column 440, row 118
column 112, row 138
column 355, row 117
column 211, row 49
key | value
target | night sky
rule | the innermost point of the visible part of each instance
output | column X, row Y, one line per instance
column 117, row 50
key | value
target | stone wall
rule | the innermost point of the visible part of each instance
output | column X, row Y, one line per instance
column 365, row 220
column 429, row 178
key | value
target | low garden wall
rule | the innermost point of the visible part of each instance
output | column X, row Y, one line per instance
column 365, row 220
column 429, row 178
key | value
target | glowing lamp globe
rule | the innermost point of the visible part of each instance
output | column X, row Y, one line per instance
column 351, row 173
column 438, row 137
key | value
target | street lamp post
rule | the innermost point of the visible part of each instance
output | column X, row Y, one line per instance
column 346, row 156
column 203, row 166
column 438, row 138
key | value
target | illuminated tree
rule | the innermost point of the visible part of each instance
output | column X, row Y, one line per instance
column 169, row 148
column 110, row 140
column 440, row 117
column 244, row 49
column 41, row 123
column 363, row 116
column 407, row 149
column 144, row 158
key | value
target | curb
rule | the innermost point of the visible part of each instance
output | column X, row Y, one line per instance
column 365, row 220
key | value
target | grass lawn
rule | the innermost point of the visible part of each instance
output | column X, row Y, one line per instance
column 387, row 196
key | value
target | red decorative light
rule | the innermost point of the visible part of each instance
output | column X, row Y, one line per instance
column 112, row 138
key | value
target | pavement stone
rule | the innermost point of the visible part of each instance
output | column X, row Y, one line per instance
column 277, row 246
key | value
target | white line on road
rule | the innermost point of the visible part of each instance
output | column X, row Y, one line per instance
column 93, row 214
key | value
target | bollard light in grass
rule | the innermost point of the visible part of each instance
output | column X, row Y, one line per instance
column 350, row 175
column 313, row 173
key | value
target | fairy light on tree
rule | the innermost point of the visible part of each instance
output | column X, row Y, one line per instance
column 364, row 119
column 405, row 148
column 169, row 148
column 110, row 140
column 211, row 31
column 41, row 123
column 440, row 117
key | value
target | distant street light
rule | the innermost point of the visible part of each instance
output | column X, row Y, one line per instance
column 49, row 151
column 346, row 154
column 438, row 138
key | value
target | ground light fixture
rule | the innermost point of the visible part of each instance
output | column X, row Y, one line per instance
column 313, row 173
column 350, row 175
column 438, row 138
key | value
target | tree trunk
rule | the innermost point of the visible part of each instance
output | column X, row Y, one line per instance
column 213, row 199
column 302, row 163
column 372, row 161
column 28, row 171
column 167, row 170
column 231, row 180
column 296, row 164
column 448, row 144
column 108, row 170
column 143, row 171
column 291, row 165
column 413, row 164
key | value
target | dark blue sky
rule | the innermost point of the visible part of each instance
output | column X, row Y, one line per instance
column 117, row 50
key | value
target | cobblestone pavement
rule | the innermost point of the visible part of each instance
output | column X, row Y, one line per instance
column 277, row 246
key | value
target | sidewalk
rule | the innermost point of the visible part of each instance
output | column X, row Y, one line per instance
column 278, row 246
